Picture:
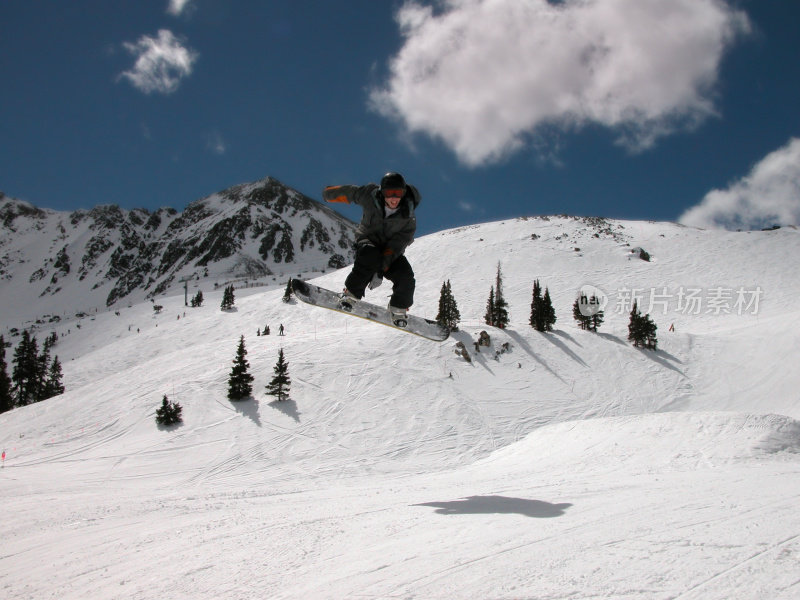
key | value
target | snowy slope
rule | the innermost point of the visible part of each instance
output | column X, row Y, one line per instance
column 572, row 466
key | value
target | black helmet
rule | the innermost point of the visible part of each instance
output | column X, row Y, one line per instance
column 393, row 181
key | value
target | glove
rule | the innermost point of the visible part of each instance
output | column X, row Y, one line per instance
column 332, row 193
column 376, row 282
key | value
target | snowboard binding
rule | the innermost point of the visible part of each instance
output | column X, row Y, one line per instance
column 399, row 316
column 347, row 301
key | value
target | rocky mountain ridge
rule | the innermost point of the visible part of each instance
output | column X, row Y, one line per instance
column 260, row 230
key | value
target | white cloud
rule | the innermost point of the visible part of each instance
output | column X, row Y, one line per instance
column 176, row 7
column 769, row 195
column 161, row 63
column 484, row 75
column 216, row 144
column 466, row 206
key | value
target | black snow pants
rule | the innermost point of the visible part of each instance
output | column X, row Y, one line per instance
column 369, row 260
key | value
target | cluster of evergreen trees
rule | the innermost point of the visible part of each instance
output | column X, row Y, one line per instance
column 240, row 385
column 34, row 376
column 543, row 315
column 197, row 299
column 240, row 381
column 228, row 298
column 642, row 330
column 497, row 307
column 586, row 311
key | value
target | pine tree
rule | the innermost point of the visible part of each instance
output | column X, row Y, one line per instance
column 448, row 309
column 197, row 299
column 240, row 382
column 279, row 385
column 642, row 330
column 597, row 319
column 537, row 308
column 635, row 326
column 169, row 413
column 53, row 385
column 25, row 375
column 287, row 293
column 549, row 311
column 501, row 318
column 6, row 399
column 649, row 328
column 584, row 321
column 228, row 298
column 496, row 308
column 50, row 341
column 488, row 318
column 583, row 311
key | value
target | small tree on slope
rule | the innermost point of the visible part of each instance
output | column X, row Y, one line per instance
column 642, row 330
column 543, row 315
column 501, row 318
column 488, row 318
column 280, row 383
column 228, row 298
column 287, row 293
column 26, row 375
column 6, row 400
column 169, row 413
column 497, row 307
column 240, row 382
column 593, row 317
column 53, row 385
column 448, row 309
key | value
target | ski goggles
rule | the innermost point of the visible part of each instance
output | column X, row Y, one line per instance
column 393, row 193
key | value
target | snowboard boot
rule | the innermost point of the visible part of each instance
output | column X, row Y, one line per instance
column 347, row 300
column 399, row 316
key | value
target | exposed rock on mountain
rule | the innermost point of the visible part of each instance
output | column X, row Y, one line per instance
column 260, row 230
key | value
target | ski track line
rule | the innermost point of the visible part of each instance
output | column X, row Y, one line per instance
column 734, row 567
column 430, row 578
column 70, row 455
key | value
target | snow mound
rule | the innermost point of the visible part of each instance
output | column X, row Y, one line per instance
column 665, row 440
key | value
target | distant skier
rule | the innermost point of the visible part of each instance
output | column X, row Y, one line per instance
column 387, row 227
column 280, row 329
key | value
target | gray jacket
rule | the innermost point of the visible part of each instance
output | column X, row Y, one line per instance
column 393, row 233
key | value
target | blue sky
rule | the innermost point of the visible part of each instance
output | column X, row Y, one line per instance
column 636, row 109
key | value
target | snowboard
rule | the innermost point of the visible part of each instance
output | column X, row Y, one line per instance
column 318, row 296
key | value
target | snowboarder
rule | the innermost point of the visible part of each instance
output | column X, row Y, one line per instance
column 387, row 227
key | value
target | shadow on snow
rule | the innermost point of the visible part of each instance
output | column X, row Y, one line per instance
column 287, row 407
column 484, row 505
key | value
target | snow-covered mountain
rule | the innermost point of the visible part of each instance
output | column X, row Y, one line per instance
column 57, row 262
column 559, row 465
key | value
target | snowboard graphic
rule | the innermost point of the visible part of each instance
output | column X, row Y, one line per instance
column 317, row 296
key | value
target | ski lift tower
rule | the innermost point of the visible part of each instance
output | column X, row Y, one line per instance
column 185, row 281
